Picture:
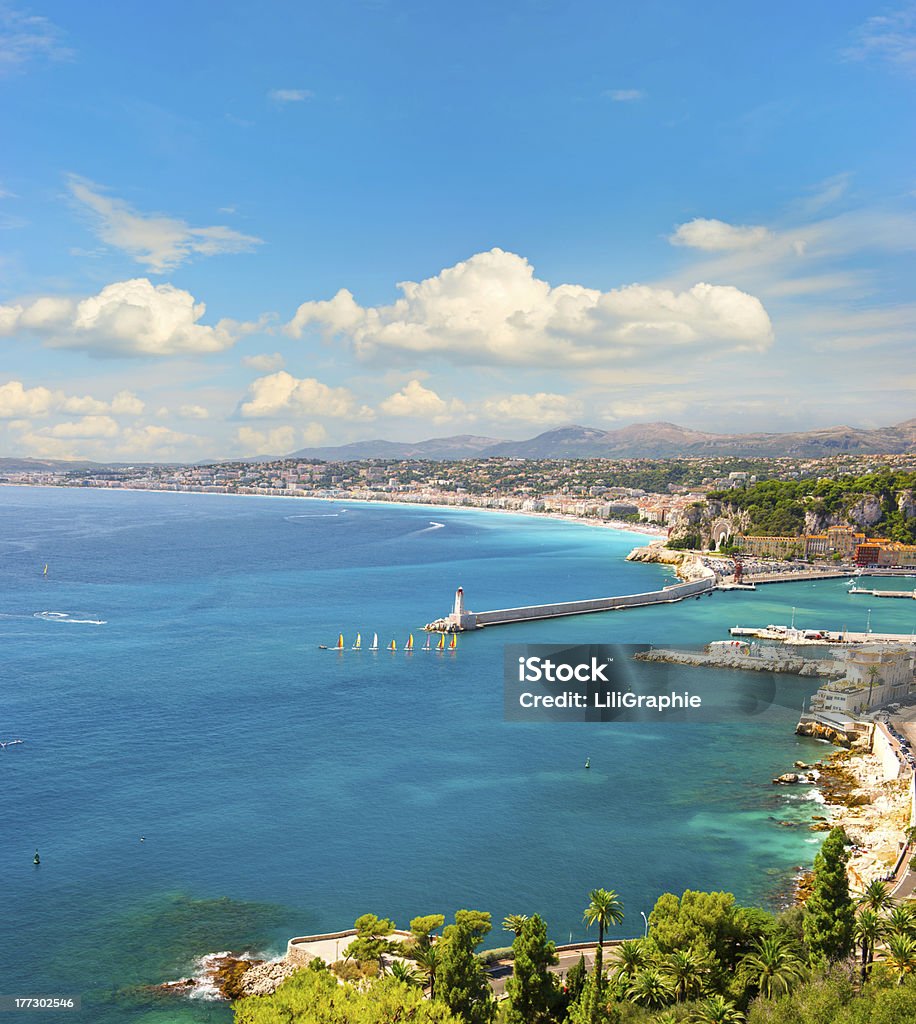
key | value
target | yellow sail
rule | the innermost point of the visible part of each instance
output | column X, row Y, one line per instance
column 441, row 645
column 358, row 643
column 392, row 646
column 453, row 643
column 340, row 642
column 45, row 573
column 409, row 646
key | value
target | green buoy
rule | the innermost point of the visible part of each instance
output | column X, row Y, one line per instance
column 36, row 859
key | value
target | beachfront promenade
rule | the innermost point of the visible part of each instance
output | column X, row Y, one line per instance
column 463, row 619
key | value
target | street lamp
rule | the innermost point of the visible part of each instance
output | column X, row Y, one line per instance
column 868, row 622
column 646, row 919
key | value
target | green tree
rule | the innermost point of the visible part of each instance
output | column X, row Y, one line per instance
column 575, row 979
column 422, row 928
column 772, row 967
column 371, row 942
column 876, row 895
column 604, row 909
column 514, row 922
column 687, row 973
column 901, row 920
column 532, row 989
column 707, row 922
column 649, row 987
column 461, row 980
column 870, row 928
column 631, row 956
column 829, row 912
column 315, row 997
column 427, row 960
column 899, row 956
column 405, row 973
column 717, row 1010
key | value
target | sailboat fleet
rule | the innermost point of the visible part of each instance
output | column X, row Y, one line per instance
column 441, row 644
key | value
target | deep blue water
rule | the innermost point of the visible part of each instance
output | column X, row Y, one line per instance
column 282, row 789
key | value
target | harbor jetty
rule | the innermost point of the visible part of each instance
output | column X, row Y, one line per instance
column 461, row 618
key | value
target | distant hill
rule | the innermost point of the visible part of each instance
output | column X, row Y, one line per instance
column 639, row 440
column 461, row 446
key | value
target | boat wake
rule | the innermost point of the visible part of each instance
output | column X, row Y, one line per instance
column 433, row 525
column 68, row 618
column 314, row 515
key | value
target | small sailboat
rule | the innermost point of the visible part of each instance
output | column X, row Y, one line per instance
column 45, row 573
column 374, row 646
column 453, row 643
column 393, row 646
column 441, row 645
column 409, row 645
column 359, row 642
column 339, row 646
column 429, row 640
column 588, row 762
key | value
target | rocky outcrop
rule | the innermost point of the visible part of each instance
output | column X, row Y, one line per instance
column 866, row 511
column 906, row 503
column 688, row 565
column 264, row 978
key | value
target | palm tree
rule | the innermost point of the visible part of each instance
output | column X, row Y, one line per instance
column 604, row 907
column 631, row 956
column 513, row 923
column 427, row 960
column 772, row 966
column 870, row 927
column 872, row 672
column 900, row 956
column 686, row 971
column 876, row 896
column 405, row 973
column 901, row 920
column 717, row 1010
column 649, row 988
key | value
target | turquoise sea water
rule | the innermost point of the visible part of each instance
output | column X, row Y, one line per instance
column 166, row 679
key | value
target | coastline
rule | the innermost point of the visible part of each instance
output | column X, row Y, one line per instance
column 618, row 525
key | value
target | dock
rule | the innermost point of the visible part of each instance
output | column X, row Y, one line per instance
column 790, row 635
column 883, row 593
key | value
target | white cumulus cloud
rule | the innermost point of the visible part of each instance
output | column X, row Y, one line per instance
column 16, row 400
column 491, row 308
column 126, row 318
column 193, row 412
column 157, row 241
column 281, row 393
column 541, row 407
column 88, row 426
column 715, row 235
column 415, row 400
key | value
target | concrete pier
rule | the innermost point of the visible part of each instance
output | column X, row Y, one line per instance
column 464, row 619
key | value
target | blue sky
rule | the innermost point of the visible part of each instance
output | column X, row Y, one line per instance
column 230, row 228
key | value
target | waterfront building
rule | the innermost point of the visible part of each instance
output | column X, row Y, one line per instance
column 876, row 674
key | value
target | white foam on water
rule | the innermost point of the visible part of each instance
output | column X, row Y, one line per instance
column 68, row 618
column 815, row 795
column 314, row 515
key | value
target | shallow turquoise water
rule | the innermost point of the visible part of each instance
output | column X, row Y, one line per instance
column 282, row 789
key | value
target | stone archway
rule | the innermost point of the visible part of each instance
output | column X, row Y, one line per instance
column 721, row 530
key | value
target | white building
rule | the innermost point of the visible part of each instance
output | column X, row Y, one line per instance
column 876, row 674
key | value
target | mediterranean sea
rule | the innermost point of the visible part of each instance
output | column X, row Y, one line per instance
column 166, row 679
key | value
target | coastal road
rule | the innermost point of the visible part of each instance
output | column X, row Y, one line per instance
column 501, row 971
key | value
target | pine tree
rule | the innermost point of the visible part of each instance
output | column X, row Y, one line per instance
column 829, row 912
column 532, row 990
column 461, row 980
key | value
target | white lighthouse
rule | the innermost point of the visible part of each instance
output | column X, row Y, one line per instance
column 458, row 610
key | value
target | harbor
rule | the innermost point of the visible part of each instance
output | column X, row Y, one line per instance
column 822, row 637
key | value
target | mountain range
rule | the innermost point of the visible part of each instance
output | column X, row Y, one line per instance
column 639, row 440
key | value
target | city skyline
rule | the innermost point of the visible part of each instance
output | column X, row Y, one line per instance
column 289, row 228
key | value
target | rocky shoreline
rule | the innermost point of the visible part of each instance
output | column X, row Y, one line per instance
column 873, row 811
column 230, row 976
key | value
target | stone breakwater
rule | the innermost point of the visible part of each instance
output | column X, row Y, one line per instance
column 776, row 661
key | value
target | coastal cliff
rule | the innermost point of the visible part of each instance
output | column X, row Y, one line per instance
column 688, row 566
